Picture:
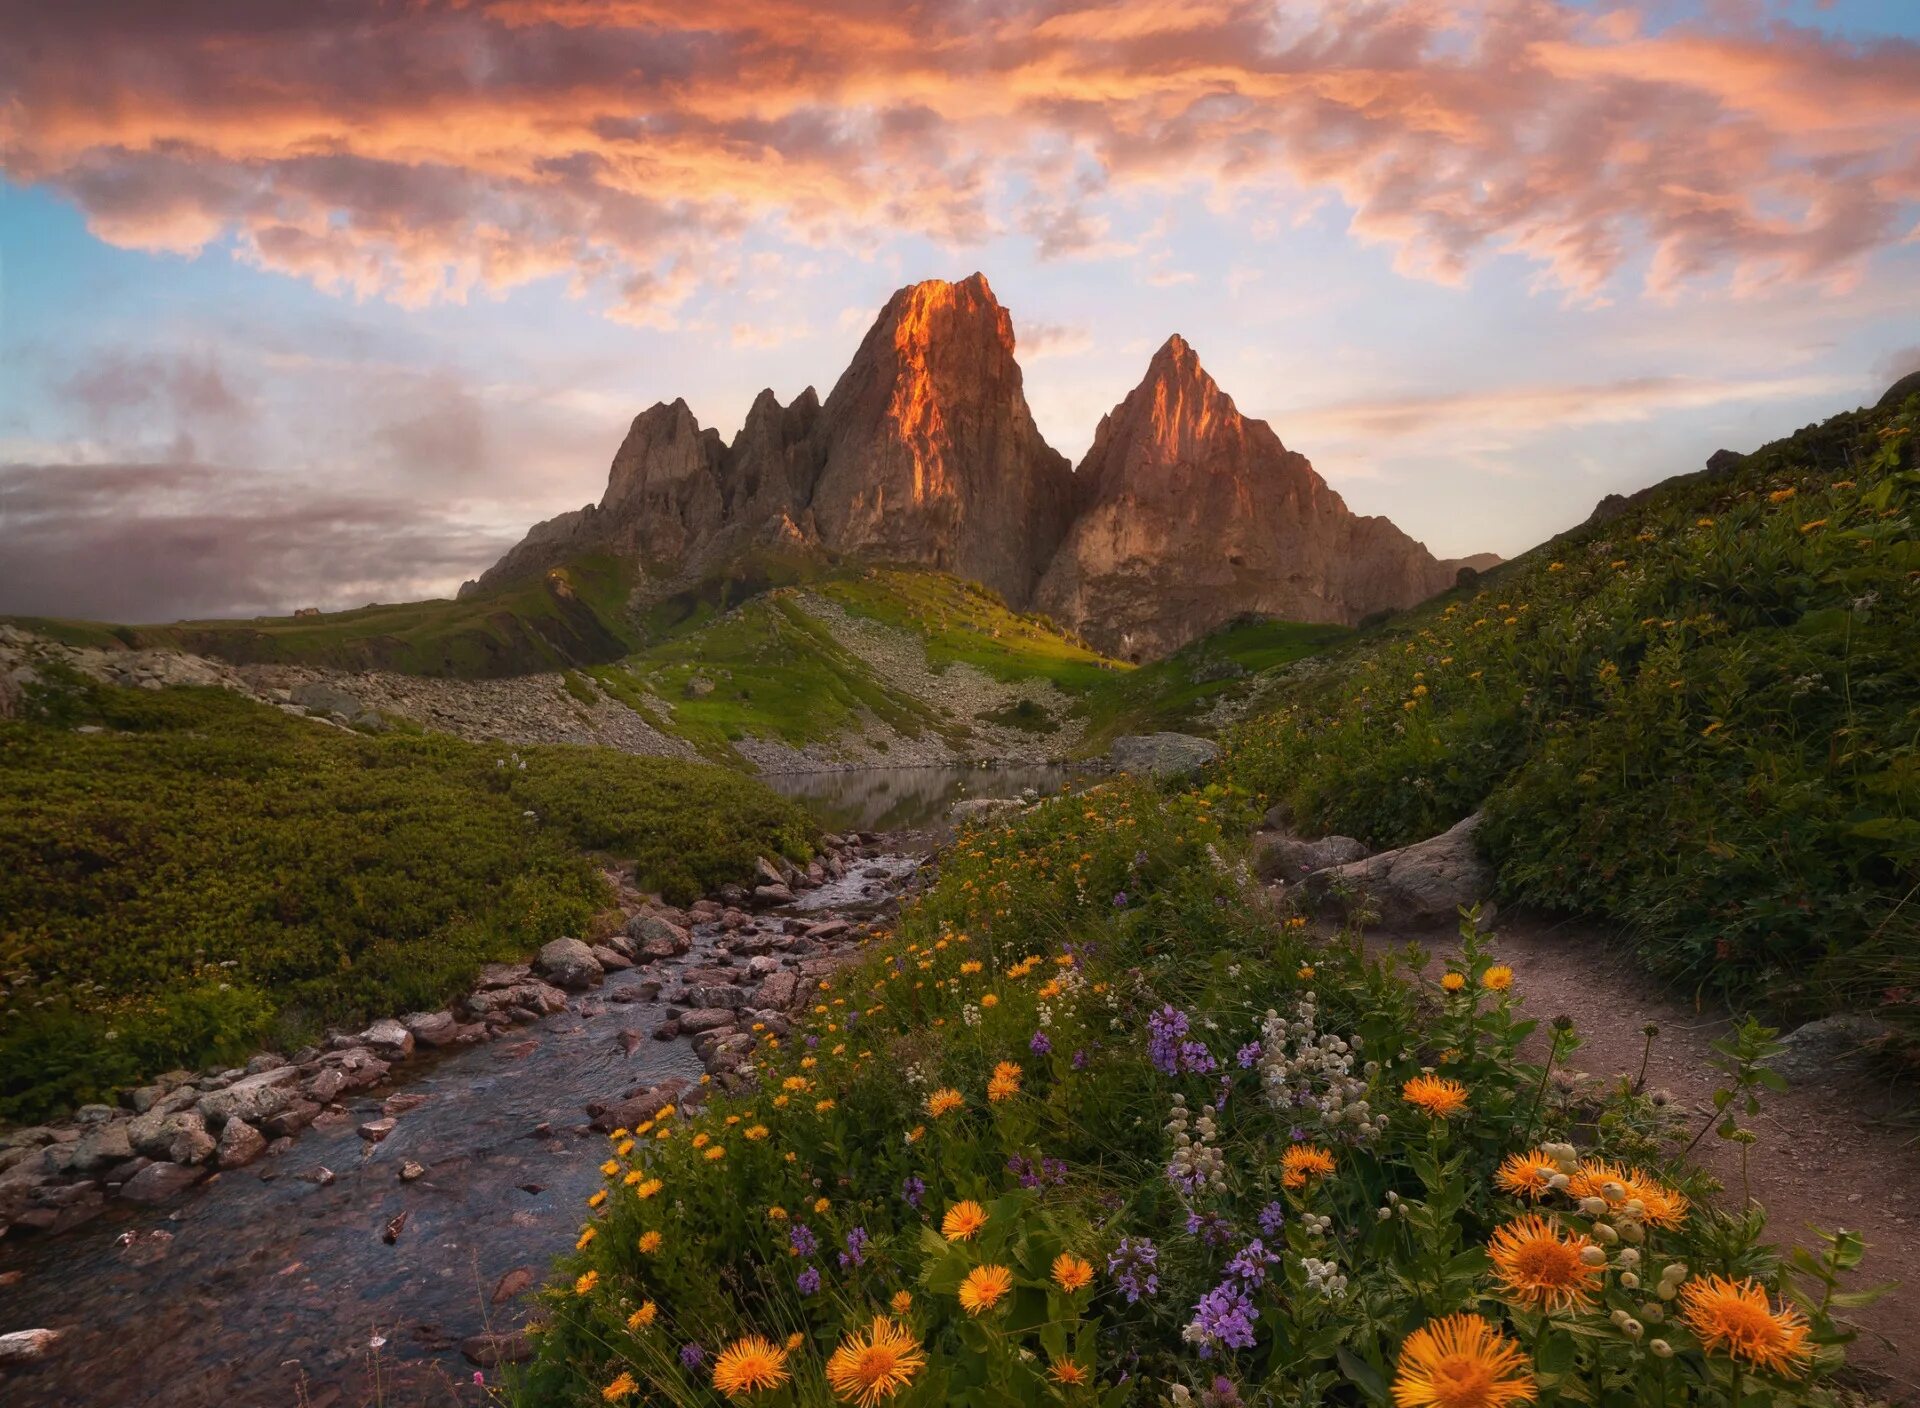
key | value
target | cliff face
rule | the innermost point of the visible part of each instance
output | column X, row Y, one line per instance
column 930, row 454
column 1183, row 515
column 1190, row 514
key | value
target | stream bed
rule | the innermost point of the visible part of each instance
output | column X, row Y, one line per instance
column 910, row 799
column 269, row 1286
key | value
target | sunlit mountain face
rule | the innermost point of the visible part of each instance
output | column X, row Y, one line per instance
column 320, row 305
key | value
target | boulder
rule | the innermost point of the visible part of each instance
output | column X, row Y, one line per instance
column 240, row 1144
column 657, row 937
column 373, row 1131
column 1419, row 886
column 251, row 1098
column 638, row 1109
column 702, row 1019
column 717, row 995
column 179, row 1136
column 388, row 1039
column 1284, row 856
column 1830, row 1046
column 970, row 810
column 494, row 1348
column 25, row 1346
column 103, row 1146
column 432, row 1028
column 610, row 959
column 358, row 1068
column 771, row 895
column 568, row 963
column 156, row 1183
column 296, row 1116
column 320, row 697
column 778, row 992
column 1161, row 755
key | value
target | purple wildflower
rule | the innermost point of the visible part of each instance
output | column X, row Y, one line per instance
column 1041, row 1045
column 1248, row 1056
column 1225, row 1315
column 813, row 1041
column 856, row 1252
column 1164, row 1030
column 1210, row 1227
column 692, row 1356
column 1119, row 899
column 1053, row 1170
column 801, row 1239
column 808, row 1281
column 1080, row 1060
column 1272, row 1218
column 1251, row 1262
column 913, row 1190
column 1195, row 1058
column 1131, row 1267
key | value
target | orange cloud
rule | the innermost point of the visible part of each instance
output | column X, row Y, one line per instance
column 426, row 151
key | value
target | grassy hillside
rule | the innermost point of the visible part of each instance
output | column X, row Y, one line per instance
column 1096, row 1127
column 1178, row 692
column 204, row 874
column 1701, row 719
column 574, row 615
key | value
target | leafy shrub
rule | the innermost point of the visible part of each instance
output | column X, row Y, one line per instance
column 204, row 872
column 1095, row 1126
column 1701, row 718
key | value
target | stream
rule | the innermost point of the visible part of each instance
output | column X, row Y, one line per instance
column 266, row 1286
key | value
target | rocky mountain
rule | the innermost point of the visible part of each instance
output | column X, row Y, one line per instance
column 1183, row 515
column 1190, row 514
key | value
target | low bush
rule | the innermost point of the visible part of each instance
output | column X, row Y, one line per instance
column 1094, row 1126
column 196, row 873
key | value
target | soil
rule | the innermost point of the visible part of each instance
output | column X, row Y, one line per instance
column 1830, row 1155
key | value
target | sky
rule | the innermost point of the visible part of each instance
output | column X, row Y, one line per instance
column 325, row 304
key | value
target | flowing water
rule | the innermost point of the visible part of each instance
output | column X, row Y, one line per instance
column 903, row 799
column 266, row 1287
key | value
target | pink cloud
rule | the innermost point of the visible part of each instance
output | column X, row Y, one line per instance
column 428, row 151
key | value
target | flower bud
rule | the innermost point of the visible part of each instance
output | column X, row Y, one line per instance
column 1594, row 1256
column 1661, row 1348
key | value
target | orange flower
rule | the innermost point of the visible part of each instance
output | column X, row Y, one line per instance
column 984, row 1288
column 1528, row 1175
column 1304, row 1161
column 1461, row 1362
column 1541, row 1267
column 1071, row 1273
column 1734, row 1319
column 940, row 1102
column 963, row 1221
column 875, row 1365
column 1437, row 1095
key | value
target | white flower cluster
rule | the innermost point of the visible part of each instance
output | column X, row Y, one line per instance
column 1323, row 1277
column 1197, row 1165
column 1316, row 1224
column 914, row 1075
column 1392, row 1207
column 1305, row 1069
column 970, row 1014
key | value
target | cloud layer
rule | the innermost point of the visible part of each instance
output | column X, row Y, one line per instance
column 420, row 152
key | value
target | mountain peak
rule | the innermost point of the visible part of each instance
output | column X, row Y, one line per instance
column 1177, row 406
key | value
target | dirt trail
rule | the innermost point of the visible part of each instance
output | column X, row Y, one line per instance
column 1826, row 1158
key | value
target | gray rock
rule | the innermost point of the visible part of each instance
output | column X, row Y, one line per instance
column 610, row 959
column 778, row 992
column 568, row 963
column 250, row 1098
column 970, row 810
column 772, row 895
column 265, row 1061
column 297, row 1115
column 1161, row 755
column 702, row 1019
column 358, row 1067
column 1831, row 1046
column 717, row 995
column 320, row 697
column 373, row 1131
column 179, row 1136
column 494, row 1348
column 25, row 1346
column 1283, row 856
column 767, row 873
column 763, row 966
column 326, row 1084
column 93, row 1114
column 1418, row 886
column 156, row 1183
column 388, row 1039
column 240, row 1144
column 502, row 975
column 657, row 937
column 432, row 1028
column 103, row 1146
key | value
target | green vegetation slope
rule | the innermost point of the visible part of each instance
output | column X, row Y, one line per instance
column 1700, row 719
column 200, row 874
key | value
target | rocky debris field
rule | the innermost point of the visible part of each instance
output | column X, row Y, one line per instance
column 167, row 1136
